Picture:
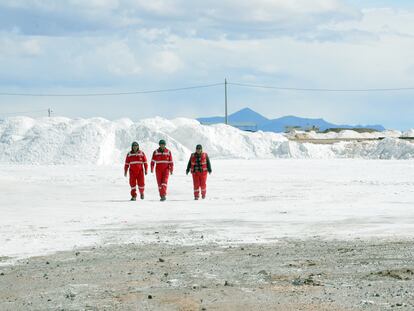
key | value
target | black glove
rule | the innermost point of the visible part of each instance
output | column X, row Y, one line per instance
column 187, row 171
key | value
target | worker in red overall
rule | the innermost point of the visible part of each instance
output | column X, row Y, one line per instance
column 136, row 163
column 162, row 159
column 199, row 164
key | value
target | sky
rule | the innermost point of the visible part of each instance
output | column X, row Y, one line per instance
column 112, row 46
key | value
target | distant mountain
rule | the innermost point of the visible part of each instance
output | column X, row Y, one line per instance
column 245, row 115
column 248, row 116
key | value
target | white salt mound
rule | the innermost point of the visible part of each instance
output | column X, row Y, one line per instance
column 409, row 133
column 99, row 141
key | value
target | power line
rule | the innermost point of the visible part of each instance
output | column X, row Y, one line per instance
column 113, row 94
column 321, row 89
column 208, row 86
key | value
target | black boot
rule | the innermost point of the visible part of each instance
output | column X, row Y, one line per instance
column 142, row 196
column 133, row 198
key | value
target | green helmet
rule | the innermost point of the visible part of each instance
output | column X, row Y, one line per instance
column 162, row 142
column 134, row 144
column 199, row 146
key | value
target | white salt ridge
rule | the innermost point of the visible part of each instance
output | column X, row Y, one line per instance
column 409, row 133
column 99, row 141
column 349, row 134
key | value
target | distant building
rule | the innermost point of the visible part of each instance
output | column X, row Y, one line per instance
column 356, row 129
column 289, row 128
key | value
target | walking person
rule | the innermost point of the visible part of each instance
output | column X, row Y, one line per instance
column 199, row 164
column 163, row 162
column 136, row 163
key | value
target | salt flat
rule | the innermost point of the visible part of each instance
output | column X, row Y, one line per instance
column 50, row 208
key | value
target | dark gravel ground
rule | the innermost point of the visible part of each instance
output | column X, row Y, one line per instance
column 287, row 275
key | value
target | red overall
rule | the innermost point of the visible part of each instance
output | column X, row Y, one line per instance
column 137, row 165
column 164, row 166
column 199, row 178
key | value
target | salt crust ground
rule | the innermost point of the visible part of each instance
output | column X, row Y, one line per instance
column 51, row 208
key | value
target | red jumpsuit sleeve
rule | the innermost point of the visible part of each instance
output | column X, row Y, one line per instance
column 145, row 162
column 152, row 161
column 171, row 163
column 126, row 166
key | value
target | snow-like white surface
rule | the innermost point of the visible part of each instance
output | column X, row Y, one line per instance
column 98, row 141
column 49, row 208
column 409, row 133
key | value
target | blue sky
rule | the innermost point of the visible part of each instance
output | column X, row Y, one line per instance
column 75, row 46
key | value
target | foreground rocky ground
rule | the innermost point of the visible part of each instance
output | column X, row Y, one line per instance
column 287, row 275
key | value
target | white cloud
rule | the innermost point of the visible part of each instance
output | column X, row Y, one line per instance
column 108, row 58
column 12, row 46
column 153, row 34
column 160, row 7
column 95, row 4
column 274, row 11
column 160, row 49
column 32, row 47
column 382, row 21
column 167, row 62
column 241, row 19
column 53, row 5
column 121, row 60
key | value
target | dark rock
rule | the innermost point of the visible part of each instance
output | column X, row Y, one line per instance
column 265, row 275
column 70, row 296
column 297, row 282
column 306, row 281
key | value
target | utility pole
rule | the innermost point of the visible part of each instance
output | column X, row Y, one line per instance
column 225, row 101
